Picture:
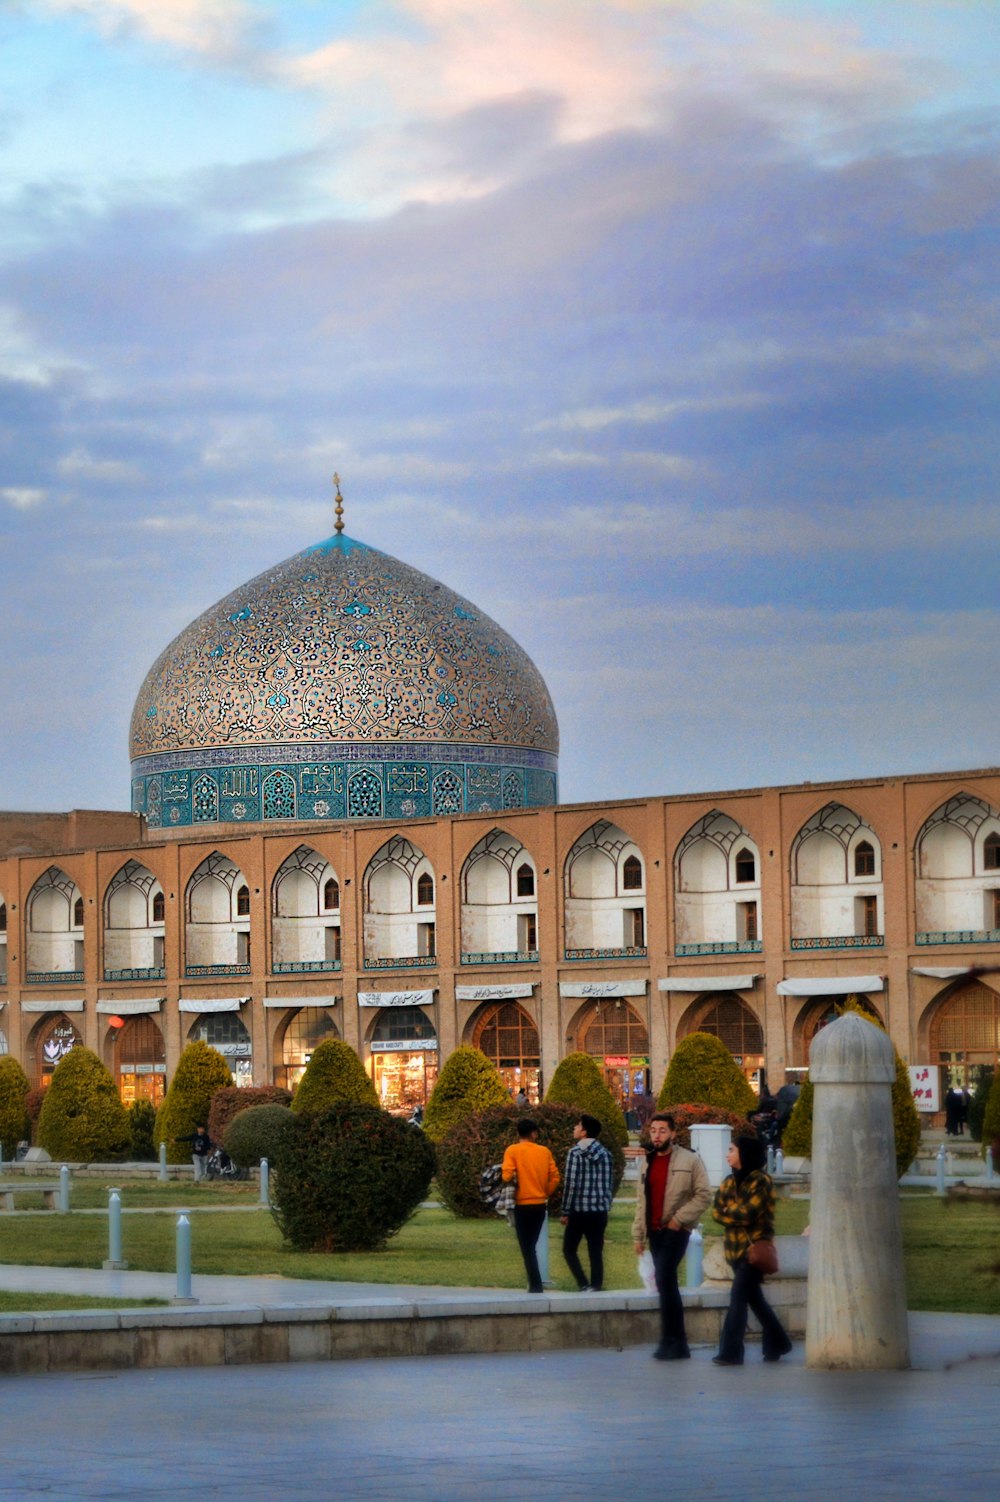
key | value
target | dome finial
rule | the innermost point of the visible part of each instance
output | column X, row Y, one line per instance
column 339, row 506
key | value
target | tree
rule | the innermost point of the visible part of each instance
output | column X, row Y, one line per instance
column 333, row 1074
column 578, row 1082
column 14, row 1124
column 468, row 1082
column 141, row 1126
column 83, row 1119
column 704, row 1072
column 977, row 1106
column 991, row 1116
column 201, row 1070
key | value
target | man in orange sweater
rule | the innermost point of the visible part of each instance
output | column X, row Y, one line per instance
column 534, row 1168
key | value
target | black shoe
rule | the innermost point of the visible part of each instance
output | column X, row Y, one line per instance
column 777, row 1355
column 725, row 1361
column 671, row 1353
column 585, row 1288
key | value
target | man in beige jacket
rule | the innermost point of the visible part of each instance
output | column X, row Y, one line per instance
column 674, row 1193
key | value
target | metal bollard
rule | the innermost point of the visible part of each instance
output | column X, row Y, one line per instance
column 163, row 1162
column 543, row 1252
column 770, row 1157
column 265, row 1183
column 779, row 1161
column 941, row 1158
column 989, row 1165
column 63, row 1190
column 694, row 1260
column 183, row 1294
column 114, row 1258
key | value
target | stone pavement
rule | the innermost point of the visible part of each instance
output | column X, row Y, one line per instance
column 569, row 1426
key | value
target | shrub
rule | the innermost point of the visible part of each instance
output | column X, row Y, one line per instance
column 481, row 1139
column 83, row 1119
column 578, row 1082
column 141, row 1126
column 704, row 1072
column 468, row 1082
column 33, row 1102
column 796, row 1139
column 256, row 1134
column 200, row 1071
column 977, row 1105
column 232, row 1099
column 685, row 1117
column 347, row 1179
column 991, row 1116
column 333, row 1074
column 14, row 1123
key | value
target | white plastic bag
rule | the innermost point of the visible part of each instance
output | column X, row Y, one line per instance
column 647, row 1272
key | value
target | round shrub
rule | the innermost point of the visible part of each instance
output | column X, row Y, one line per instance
column 333, row 1074
column 703, row 1071
column 578, row 1082
column 14, row 1124
column 687, row 1116
column 232, row 1099
column 83, row 1119
column 256, row 1134
column 468, row 1082
column 482, row 1138
column 201, row 1070
column 347, row 1179
column 141, row 1125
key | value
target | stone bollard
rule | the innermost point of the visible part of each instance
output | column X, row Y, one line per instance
column 770, row 1158
column 941, row 1163
column 183, row 1294
column 64, row 1190
column 163, row 1162
column 779, row 1162
column 856, row 1309
column 265, row 1184
column 694, row 1261
column 113, row 1261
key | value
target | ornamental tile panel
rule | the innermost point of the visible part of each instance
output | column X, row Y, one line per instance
column 841, row 941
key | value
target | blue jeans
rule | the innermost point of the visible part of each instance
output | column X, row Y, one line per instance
column 528, row 1222
column 748, row 1292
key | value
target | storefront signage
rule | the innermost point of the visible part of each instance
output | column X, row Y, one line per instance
column 925, row 1084
column 598, row 989
column 492, row 993
column 395, row 998
column 616, row 1061
column 404, row 1045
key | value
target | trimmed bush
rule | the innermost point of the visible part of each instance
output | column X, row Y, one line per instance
column 141, row 1126
column 232, row 1099
column 991, row 1116
column 14, row 1123
column 201, row 1070
column 256, row 1134
column 83, row 1119
column 347, row 1179
column 977, row 1105
column 468, row 1082
column 704, row 1072
column 482, row 1138
column 33, row 1102
column 685, row 1117
column 578, row 1082
column 796, row 1139
column 333, row 1074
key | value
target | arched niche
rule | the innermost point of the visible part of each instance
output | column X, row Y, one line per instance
column 226, row 1032
column 604, row 879
column 403, row 1057
column 506, row 1033
column 305, row 909
column 717, row 888
column 48, row 1043
column 138, row 1058
column 836, row 876
column 217, row 904
column 295, row 1038
column 957, row 858
column 54, row 920
column 499, row 902
column 400, row 906
column 616, row 1037
column 731, row 1019
column 964, row 1033
column 816, row 1013
column 133, row 925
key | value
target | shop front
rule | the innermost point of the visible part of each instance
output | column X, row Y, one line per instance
column 219, row 1024
column 402, row 1049
column 505, row 1032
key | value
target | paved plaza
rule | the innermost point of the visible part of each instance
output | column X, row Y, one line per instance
column 590, row 1425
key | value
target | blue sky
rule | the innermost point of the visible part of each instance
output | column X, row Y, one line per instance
column 667, row 332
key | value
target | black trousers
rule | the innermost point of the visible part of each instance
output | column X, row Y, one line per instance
column 528, row 1222
column 590, row 1224
column 748, row 1292
column 668, row 1248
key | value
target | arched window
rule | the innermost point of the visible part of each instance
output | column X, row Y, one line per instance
column 632, row 874
column 525, row 881
column 243, row 902
column 3, row 917
column 159, row 907
column 864, row 859
column 78, row 913
column 746, row 866
column 331, row 894
column 425, row 890
column 991, row 852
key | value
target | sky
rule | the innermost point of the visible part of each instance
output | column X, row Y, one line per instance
column 667, row 331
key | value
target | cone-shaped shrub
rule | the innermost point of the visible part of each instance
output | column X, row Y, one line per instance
column 228, row 1102
column 578, row 1082
column 991, row 1116
column 977, row 1106
column 468, row 1082
column 201, row 1070
column 704, row 1072
column 141, row 1126
column 14, row 1125
column 83, row 1119
column 347, row 1179
column 256, row 1134
column 333, row 1074
column 481, row 1139
column 796, row 1139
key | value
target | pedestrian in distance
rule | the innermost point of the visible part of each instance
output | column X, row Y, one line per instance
column 533, row 1169
column 586, row 1201
column 744, row 1206
column 674, row 1193
column 201, row 1147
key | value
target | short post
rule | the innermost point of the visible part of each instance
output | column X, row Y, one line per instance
column 542, row 1247
column 265, row 1184
column 163, row 1162
column 779, row 1161
column 770, row 1157
column 694, row 1257
column 941, row 1164
column 113, row 1261
column 183, row 1294
column 989, row 1165
column 63, row 1190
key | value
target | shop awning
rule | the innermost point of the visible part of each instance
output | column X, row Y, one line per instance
column 829, row 985
column 941, row 972
column 135, row 1006
column 707, row 983
column 302, row 1001
column 211, row 1003
column 54, row 1004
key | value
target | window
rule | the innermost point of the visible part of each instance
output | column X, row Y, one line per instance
column 3, row 917
column 159, row 907
column 425, row 892
column 995, row 904
column 991, row 852
column 632, row 874
column 243, row 949
column 332, row 944
column 866, row 916
column 747, row 919
column 426, row 940
column 864, row 859
column 78, row 913
column 525, row 881
column 527, row 932
column 331, row 895
column 635, row 926
column 746, row 865
column 243, row 902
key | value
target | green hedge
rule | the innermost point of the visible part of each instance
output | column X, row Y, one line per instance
column 141, row 1126
column 991, row 1116
column 703, row 1071
column 468, row 1082
column 83, row 1119
column 687, row 1116
column 14, row 1124
column 578, row 1082
column 333, row 1074
column 257, row 1133
column 200, row 1071
column 228, row 1102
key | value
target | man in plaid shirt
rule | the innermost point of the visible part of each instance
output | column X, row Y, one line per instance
column 587, row 1196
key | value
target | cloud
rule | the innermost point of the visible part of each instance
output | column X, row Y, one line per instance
column 23, row 497
column 217, row 29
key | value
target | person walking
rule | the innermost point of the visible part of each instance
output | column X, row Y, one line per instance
column 674, row 1193
column 533, row 1168
column 586, row 1201
column 744, row 1205
column 201, row 1146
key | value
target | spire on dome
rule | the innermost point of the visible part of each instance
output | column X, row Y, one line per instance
column 339, row 508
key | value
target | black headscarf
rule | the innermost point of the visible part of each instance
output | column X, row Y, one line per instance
column 753, row 1156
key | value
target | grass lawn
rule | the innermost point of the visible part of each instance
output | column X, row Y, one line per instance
column 18, row 1303
column 952, row 1248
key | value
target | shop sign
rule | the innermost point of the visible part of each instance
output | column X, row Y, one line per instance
column 404, row 1045
column 395, row 998
column 638, row 1061
column 598, row 989
column 492, row 993
column 925, row 1084
column 616, row 1061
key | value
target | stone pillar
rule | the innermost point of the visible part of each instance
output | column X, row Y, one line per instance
column 856, row 1316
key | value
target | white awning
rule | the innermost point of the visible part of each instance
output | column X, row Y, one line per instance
column 829, row 985
column 57, row 1004
column 596, row 990
column 211, row 1003
column 941, row 972
column 492, row 993
column 395, row 998
column 302, row 1001
column 707, row 983
column 135, row 1006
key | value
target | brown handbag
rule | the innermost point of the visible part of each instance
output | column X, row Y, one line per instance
column 763, row 1255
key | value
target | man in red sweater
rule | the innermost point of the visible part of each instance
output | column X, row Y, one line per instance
column 673, row 1195
column 534, row 1168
